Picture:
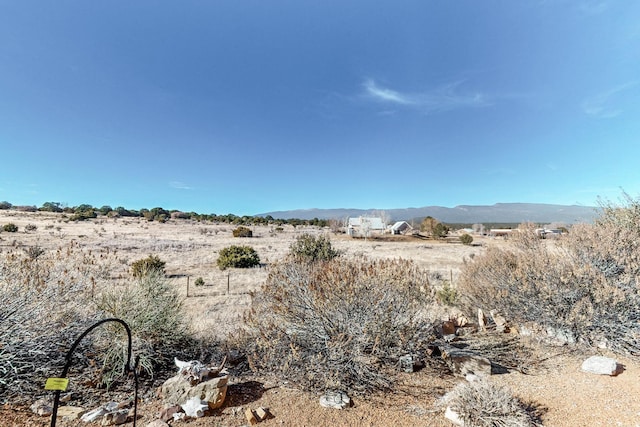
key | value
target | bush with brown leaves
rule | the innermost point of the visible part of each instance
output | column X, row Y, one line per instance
column 339, row 324
column 585, row 286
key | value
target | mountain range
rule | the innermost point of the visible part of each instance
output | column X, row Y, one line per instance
column 497, row 213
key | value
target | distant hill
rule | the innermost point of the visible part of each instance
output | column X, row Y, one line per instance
column 499, row 212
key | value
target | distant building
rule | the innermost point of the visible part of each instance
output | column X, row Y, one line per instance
column 364, row 226
column 400, row 227
column 500, row 232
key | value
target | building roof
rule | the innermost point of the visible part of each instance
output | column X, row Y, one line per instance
column 400, row 225
column 372, row 222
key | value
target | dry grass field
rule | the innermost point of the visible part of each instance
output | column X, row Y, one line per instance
column 563, row 394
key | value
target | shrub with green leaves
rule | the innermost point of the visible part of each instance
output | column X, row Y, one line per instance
column 339, row 324
column 199, row 281
column 466, row 239
column 242, row 232
column 311, row 248
column 154, row 312
column 10, row 228
column 238, row 257
column 145, row 266
column 447, row 295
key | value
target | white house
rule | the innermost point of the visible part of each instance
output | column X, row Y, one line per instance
column 363, row 225
column 400, row 227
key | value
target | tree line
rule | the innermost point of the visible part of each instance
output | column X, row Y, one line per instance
column 159, row 214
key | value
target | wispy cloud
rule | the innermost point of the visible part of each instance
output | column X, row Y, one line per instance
column 604, row 105
column 594, row 7
column 443, row 98
column 179, row 185
column 386, row 95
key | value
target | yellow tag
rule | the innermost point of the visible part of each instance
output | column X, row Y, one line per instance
column 56, row 384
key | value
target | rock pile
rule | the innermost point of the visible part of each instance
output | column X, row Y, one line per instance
column 194, row 390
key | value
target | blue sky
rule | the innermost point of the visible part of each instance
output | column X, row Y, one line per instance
column 247, row 107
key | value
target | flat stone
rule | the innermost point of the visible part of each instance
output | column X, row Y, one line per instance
column 464, row 362
column 177, row 391
column 600, row 365
column 42, row 407
column 71, row 412
column 166, row 414
column 157, row 423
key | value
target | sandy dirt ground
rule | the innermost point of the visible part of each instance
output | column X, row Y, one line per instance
column 561, row 392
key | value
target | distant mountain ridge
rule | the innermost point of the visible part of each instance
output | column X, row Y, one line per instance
column 499, row 212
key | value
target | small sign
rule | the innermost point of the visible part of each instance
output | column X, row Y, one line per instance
column 56, row 384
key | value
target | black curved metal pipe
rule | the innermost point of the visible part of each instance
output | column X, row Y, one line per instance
column 127, row 367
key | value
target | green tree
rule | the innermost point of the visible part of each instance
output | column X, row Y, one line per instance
column 51, row 207
column 433, row 228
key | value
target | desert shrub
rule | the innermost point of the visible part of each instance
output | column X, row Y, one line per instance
column 30, row 227
column 154, row 312
column 446, row 294
column 242, row 232
column 10, row 228
column 311, row 248
column 84, row 215
column 199, row 281
column 484, row 404
column 145, row 266
column 584, row 287
column 339, row 324
column 466, row 239
column 238, row 257
column 46, row 304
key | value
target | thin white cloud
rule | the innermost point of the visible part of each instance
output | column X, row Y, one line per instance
column 386, row 95
column 179, row 185
column 604, row 105
column 443, row 98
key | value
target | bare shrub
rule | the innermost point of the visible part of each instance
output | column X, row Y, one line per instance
column 339, row 324
column 46, row 305
column 484, row 404
column 584, row 288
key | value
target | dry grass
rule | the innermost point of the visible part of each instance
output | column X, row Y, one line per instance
column 190, row 250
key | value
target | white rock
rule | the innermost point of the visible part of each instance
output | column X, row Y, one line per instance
column 335, row 399
column 453, row 416
column 195, row 407
column 94, row 414
column 600, row 365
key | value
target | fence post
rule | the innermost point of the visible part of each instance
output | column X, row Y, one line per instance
column 187, row 286
column 228, row 275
